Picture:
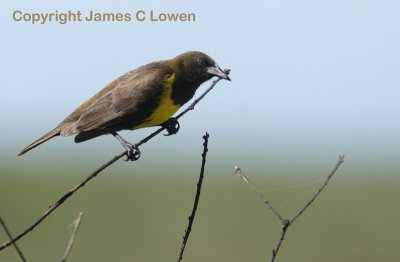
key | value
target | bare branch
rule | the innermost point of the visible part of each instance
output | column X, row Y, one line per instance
column 286, row 223
column 242, row 175
column 284, row 228
column 339, row 162
column 61, row 200
column 197, row 197
column 104, row 166
column 21, row 255
column 76, row 224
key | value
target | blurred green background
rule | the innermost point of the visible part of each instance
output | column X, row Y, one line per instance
column 311, row 80
column 138, row 212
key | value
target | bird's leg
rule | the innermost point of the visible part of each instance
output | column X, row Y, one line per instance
column 172, row 126
column 132, row 151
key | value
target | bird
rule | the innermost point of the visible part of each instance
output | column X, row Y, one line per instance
column 144, row 97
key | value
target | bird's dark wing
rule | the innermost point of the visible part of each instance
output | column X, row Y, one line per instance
column 137, row 89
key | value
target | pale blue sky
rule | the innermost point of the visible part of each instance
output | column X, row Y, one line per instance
column 311, row 79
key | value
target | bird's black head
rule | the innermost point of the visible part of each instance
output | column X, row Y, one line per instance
column 198, row 67
column 191, row 70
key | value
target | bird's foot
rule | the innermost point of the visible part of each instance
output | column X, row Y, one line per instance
column 172, row 126
column 132, row 152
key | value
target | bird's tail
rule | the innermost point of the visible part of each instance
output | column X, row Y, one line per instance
column 51, row 134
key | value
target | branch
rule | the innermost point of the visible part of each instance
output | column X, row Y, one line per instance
column 240, row 173
column 197, row 197
column 286, row 223
column 76, row 224
column 339, row 162
column 21, row 255
column 61, row 200
column 104, row 166
column 280, row 240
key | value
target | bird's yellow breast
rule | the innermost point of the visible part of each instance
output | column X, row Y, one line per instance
column 166, row 107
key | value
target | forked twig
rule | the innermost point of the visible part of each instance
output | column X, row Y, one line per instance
column 76, row 224
column 197, row 197
column 104, row 166
column 286, row 223
column 21, row 255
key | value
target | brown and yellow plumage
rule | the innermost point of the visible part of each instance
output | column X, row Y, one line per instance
column 146, row 96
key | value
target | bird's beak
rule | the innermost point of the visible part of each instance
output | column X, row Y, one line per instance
column 217, row 71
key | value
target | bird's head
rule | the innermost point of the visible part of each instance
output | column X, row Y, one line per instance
column 198, row 67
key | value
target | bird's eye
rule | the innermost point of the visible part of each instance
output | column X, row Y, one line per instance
column 200, row 62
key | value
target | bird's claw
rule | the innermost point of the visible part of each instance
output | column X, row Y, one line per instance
column 132, row 152
column 172, row 126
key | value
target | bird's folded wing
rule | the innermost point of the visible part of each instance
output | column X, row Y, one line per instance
column 139, row 87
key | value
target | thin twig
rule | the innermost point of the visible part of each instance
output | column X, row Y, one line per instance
column 61, row 200
column 104, row 166
column 286, row 223
column 242, row 175
column 197, row 197
column 21, row 255
column 339, row 162
column 76, row 224
column 290, row 222
column 284, row 228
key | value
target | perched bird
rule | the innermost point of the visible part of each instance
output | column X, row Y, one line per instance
column 147, row 96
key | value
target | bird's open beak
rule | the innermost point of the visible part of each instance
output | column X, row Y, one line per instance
column 217, row 71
